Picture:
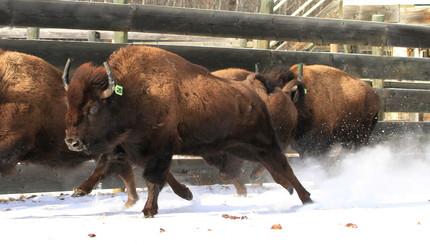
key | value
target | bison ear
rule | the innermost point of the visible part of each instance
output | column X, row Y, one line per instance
column 268, row 84
column 285, row 77
column 65, row 76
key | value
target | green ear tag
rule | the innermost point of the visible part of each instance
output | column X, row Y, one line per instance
column 118, row 89
column 306, row 91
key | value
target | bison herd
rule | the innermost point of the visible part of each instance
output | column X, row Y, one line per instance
column 145, row 105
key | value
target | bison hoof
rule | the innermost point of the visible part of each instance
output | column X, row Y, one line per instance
column 242, row 194
column 78, row 193
column 254, row 177
column 130, row 203
column 149, row 213
column 290, row 190
column 185, row 193
column 189, row 197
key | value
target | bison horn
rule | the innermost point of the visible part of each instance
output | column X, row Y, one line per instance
column 294, row 88
column 300, row 76
column 110, row 89
column 65, row 76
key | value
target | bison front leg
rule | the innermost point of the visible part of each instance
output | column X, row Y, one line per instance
column 230, row 168
column 151, row 205
column 111, row 164
column 127, row 177
column 178, row 188
column 279, row 168
column 155, row 175
column 99, row 172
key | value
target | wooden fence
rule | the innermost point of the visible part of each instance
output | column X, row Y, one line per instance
column 97, row 16
column 147, row 18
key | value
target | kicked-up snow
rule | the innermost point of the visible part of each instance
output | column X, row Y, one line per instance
column 375, row 196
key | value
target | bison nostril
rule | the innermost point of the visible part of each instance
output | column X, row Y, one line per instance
column 69, row 141
column 75, row 144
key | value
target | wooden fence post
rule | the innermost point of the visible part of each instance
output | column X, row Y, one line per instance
column 33, row 33
column 378, row 83
column 266, row 7
column 334, row 48
column 120, row 36
column 93, row 36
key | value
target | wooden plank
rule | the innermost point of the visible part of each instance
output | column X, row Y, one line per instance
column 358, row 65
column 409, row 14
column 415, row 16
column 407, row 85
column 388, row 128
column 191, row 171
column 405, row 100
column 214, row 58
column 35, row 178
column 365, row 12
column 147, row 18
column 107, row 36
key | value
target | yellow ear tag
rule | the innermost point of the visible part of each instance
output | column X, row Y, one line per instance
column 118, row 90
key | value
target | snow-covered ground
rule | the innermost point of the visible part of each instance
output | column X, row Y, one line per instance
column 376, row 196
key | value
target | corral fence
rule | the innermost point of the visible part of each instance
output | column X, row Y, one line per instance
column 398, row 95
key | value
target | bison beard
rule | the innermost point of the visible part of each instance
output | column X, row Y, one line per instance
column 172, row 106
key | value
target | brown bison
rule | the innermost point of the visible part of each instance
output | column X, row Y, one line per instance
column 32, row 110
column 281, row 109
column 156, row 104
column 333, row 107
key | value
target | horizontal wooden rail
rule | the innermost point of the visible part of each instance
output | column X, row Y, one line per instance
column 404, row 84
column 214, row 58
column 191, row 171
column 405, row 100
column 161, row 19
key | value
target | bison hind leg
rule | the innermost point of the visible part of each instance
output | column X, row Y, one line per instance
column 13, row 148
column 230, row 168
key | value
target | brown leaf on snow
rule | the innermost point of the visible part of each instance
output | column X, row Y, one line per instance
column 226, row 216
column 351, row 225
column 276, row 227
column 162, row 230
column 92, row 235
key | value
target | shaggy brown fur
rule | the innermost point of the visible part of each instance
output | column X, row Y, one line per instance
column 334, row 108
column 281, row 109
column 171, row 106
column 32, row 111
column 32, row 103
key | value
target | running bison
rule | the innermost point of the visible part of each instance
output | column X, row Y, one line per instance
column 157, row 104
column 281, row 109
column 32, row 111
column 333, row 107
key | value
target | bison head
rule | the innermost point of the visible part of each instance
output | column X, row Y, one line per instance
column 283, row 77
column 89, row 124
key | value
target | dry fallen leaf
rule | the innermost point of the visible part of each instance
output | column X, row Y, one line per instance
column 162, row 230
column 92, row 235
column 226, row 216
column 351, row 225
column 277, row 227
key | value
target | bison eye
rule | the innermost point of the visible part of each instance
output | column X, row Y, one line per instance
column 94, row 109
